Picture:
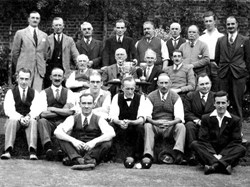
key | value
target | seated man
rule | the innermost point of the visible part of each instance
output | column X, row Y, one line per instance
column 127, row 114
column 196, row 104
column 56, row 102
column 79, row 79
column 181, row 75
column 219, row 144
column 21, row 105
column 90, row 138
column 166, row 120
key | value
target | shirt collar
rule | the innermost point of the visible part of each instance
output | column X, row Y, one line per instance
column 234, row 35
column 127, row 98
column 59, row 35
column 88, row 117
column 21, row 89
column 117, row 37
column 177, row 38
column 165, row 96
column 55, row 88
column 85, row 39
column 175, row 67
column 32, row 29
column 227, row 114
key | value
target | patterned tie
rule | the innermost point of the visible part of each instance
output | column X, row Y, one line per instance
column 57, row 95
column 85, row 122
column 87, row 41
column 231, row 40
column 23, row 96
column 163, row 99
column 35, row 37
column 148, row 73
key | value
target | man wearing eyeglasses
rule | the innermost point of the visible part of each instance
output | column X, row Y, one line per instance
column 90, row 46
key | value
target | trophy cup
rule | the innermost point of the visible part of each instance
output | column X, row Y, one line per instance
column 127, row 68
column 143, row 66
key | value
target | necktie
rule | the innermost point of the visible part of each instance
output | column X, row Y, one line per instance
column 175, row 67
column 148, row 73
column 203, row 102
column 175, row 42
column 35, row 37
column 58, row 38
column 128, row 99
column 231, row 40
column 119, row 40
column 87, row 41
column 57, row 95
column 192, row 44
column 163, row 99
column 85, row 122
column 23, row 96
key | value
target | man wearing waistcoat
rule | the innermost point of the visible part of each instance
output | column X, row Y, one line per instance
column 166, row 119
column 21, row 106
column 233, row 58
column 62, row 50
column 154, row 43
column 90, row 138
column 56, row 104
column 127, row 114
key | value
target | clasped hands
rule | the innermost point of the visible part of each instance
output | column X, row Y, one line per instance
column 163, row 123
column 124, row 123
column 25, row 120
column 79, row 145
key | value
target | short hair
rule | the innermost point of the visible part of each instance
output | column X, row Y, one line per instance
column 121, row 21
column 163, row 73
column 24, row 70
column 86, row 95
column 86, row 23
column 57, row 18
column 178, row 51
column 149, row 50
column 208, row 14
column 34, row 12
column 149, row 22
column 196, row 27
column 95, row 73
column 176, row 24
column 232, row 17
column 128, row 78
column 221, row 93
column 202, row 75
column 57, row 68
column 121, row 49
column 82, row 55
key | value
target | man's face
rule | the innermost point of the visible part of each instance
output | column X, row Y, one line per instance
column 204, row 85
column 34, row 19
column 175, row 30
column 23, row 79
column 163, row 83
column 120, row 28
column 58, row 26
column 86, row 104
column 148, row 30
column 128, row 88
column 95, row 83
column 209, row 23
column 232, row 25
column 221, row 104
column 87, row 30
column 150, row 58
column 82, row 63
column 177, row 58
column 57, row 77
column 193, row 33
column 120, row 56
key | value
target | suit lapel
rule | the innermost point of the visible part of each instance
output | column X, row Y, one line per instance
column 238, row 42
column 215, row 125
column 114, row 70
column 209, row 103
column 225, row 44
column 224, row 124
column 92, row 44
column 64, row 42
column 29, row 35
column 84, row 45
column 39, row 37
column 197, row 101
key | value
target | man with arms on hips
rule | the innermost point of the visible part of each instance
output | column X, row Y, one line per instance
column 219, row 144
column 56, row 105
column 21, row 105
column 90, row 138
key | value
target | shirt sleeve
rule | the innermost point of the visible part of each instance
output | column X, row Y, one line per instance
column 67, row 125
column 145, row 107
column 71, row 98
column 43, row 101
column 105, row 108
column 9, row 106
column 164, row 51
column 71, row 82
column 34, row 109
column 114, row 108
column 179, row 110
column 105, row 127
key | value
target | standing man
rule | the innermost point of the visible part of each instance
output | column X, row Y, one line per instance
column 195, row 52
column 90, row 46
column 21, row 106
column 90, row 137
column 167, row 120
column 219, row 145
column 210, row 37
column 150, row 41
column 29, row 50
column 196, row 104
column 118, row 41
column 233, row 58
column 62, row 49
column 175, row 41
column 56, row 104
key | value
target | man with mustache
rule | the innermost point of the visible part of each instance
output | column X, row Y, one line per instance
column 56, row 105
column 150, row 41
column 29, row 50
column 233, row 58
column 62, row 49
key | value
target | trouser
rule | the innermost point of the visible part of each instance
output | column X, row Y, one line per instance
column 37, row 80
column 11, row 128
column 98, row 152
column 178, row 132
column 191, row 132
column 214, row 76
column 230, row 154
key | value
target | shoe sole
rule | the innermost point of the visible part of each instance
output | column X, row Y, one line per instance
column 85, row 167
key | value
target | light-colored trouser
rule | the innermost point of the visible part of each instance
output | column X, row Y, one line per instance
column 179, row 135
column 37, row 81
column 11, row 128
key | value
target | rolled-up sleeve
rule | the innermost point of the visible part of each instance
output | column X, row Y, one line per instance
column 179, row 110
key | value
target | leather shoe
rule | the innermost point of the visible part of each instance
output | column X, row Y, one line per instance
column 228, row 170
column 193, row 161
column 60, row 155
column 178, row 157
column 6, row 156
column 208, row 169
column 49, row 155
column 33, row 157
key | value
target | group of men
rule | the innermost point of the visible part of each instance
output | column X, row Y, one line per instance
column 198, row 122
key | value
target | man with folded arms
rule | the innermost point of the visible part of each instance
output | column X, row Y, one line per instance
column 90, row 138
column 21, row 106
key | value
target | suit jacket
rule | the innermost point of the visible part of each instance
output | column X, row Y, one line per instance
column 69, row 51
column 193, row 107
column 93, row 51
column 236, row 62
column 220, row 137
column 26, row 54
column 171, row 48
column 111, row 44
column 152, row 79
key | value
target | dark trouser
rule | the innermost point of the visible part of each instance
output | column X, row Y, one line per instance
column 191, row 132
column 235, row 89
column 230, row 154
column 214, row 76
column 98, row 152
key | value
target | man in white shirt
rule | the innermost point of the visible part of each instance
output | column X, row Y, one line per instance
column 56, row 104
column 21, row 106
column 90, row 138
column 210, row 37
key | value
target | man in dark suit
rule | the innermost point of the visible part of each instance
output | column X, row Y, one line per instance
column 90, row 46
column 219, row 146
column 196, row 104
column 118, row 41
column 233, row 58
column 175, row 41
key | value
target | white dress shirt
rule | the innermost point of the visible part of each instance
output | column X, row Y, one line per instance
column 220, row 119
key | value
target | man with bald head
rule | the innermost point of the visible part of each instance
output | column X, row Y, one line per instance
column 90, row 46
column 195, row 52
column 175, row 41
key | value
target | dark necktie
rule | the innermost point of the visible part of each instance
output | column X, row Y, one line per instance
column 23, row 96
column 175, row 43
column 85, row 122
column 203, row 102
column 119, row 40
column 58, row 38
column 87, row 41
column 192, row 44
column 35, row 37
column 128, row 99
column 57, row 95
